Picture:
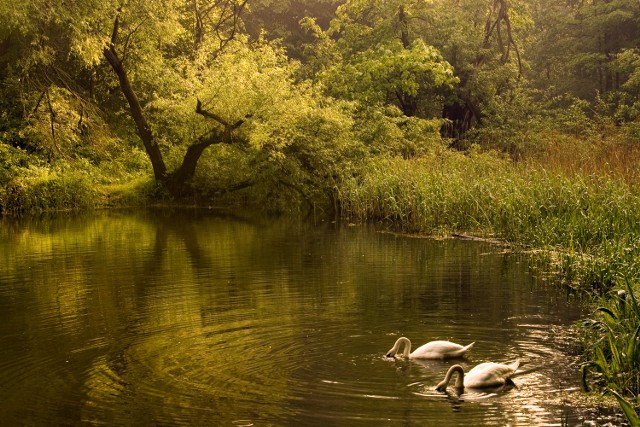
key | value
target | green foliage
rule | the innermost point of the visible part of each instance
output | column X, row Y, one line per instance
column 386, row 131
column 592, row 60
column 292, row 143
column 612, row 343
column 281, row 19
column 42, row 190
column 383, row 74
column 416, row 80
column 366, row 56
column 12, row 160
column 628, row 61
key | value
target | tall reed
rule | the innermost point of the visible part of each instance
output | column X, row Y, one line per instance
column 612, row 346
column 593, row 221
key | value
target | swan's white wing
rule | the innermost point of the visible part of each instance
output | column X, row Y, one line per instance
column 489, row 374
column 436, row 349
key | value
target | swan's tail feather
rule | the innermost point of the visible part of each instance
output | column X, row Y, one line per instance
column 462, row 351
column 515, row 365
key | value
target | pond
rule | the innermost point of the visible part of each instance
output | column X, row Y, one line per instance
column 198, row 318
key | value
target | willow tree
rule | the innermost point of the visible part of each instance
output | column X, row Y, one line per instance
column 148, row 34
column 228, row 92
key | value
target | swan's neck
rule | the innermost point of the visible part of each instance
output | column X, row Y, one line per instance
column 400, row 341
column 455, row 369
column 407, row 345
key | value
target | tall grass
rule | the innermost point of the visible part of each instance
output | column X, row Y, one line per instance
column 29, row 185
column 593, row 221
column 612, row 344
column 46, row 191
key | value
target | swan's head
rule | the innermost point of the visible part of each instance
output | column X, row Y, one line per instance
column 396, row 347
column 442, row 386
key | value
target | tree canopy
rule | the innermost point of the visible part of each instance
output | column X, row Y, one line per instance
column 214, row 96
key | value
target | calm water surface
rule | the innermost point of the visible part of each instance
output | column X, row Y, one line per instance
column 198, row 319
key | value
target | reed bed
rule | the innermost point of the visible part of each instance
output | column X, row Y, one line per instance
column 586, row 218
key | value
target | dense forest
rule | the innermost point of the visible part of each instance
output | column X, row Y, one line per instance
column 505, row 117
column 280, row 101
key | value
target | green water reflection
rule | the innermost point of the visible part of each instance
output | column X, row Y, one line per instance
column 187, row 318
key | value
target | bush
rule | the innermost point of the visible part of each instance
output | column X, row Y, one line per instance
column 42, row 190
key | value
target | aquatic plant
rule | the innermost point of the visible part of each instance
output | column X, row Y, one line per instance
column 612, row 345
column 627, row 408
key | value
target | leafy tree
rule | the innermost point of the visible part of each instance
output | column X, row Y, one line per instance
column 399, row 83
column 485, row 43
column 189, row 80
column 284, row 135
column 579, row 44
column 480, row 42
column 414, row 79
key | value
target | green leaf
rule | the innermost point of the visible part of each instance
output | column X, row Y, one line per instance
column 608, row 312
column 627, row 409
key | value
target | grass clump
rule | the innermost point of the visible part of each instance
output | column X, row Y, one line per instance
column 33, row 185
column 593, row 221
column 612, row 345
column 43, row 190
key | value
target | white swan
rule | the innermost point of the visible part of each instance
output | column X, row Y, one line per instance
column 430, row 350
column 488, row 374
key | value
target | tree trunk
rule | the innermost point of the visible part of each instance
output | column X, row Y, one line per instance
column 176, row 182
column 199, row 26
column 404, row 28
column 466, row 114
column 144, row 131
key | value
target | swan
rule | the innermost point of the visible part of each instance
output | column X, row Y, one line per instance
column 487, row 374
column 430, row 350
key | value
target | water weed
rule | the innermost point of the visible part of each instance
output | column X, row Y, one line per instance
column 612, row 349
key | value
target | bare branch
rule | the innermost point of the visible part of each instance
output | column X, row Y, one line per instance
column 210, row 115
